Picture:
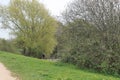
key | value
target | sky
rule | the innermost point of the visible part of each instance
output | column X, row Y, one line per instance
column 55, row 7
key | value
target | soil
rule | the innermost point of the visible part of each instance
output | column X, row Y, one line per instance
column 5, row 74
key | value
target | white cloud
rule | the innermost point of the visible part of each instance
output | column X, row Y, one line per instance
column 4, row 2
column 55, row 6
column 4, row 34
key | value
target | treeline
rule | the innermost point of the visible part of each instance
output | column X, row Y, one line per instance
column 88, row 36
column 8, row 45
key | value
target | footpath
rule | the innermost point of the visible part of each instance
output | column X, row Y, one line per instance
column 5, row 74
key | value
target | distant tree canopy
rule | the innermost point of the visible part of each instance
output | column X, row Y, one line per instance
column 32, row 25
column 7, row 45
column 92, row 34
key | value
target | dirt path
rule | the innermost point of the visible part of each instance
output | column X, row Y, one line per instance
column 5, row 74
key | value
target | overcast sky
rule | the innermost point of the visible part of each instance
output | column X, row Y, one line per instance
column 55, row 7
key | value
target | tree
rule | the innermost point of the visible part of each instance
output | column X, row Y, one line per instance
column 94, row 42
column 8, row 45
column 32, row 25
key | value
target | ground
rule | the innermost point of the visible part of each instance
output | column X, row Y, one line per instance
column 5, row 74
column 27, row 68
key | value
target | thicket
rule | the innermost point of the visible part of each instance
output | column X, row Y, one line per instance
column 92, row 35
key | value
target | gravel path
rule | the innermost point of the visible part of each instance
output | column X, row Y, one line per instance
column 5, row 74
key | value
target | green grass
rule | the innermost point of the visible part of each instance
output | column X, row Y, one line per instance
column 35, row 69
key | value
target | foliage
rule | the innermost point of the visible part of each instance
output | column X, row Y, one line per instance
column 7, row 45
column 32, row 25
column 27, row 68
column 92, row 35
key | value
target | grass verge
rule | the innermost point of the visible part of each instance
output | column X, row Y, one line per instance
column 35, row 69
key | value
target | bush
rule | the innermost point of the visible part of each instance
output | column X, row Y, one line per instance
column 91, row 50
